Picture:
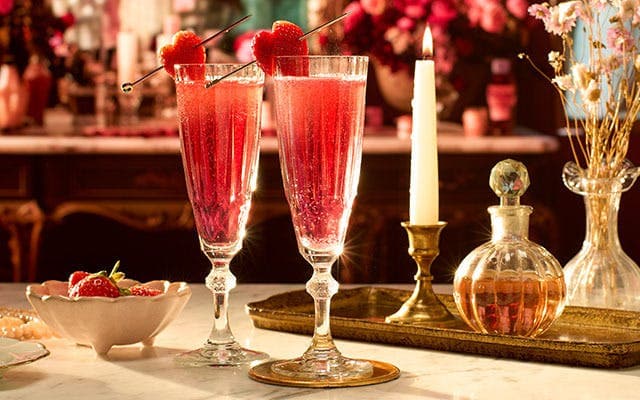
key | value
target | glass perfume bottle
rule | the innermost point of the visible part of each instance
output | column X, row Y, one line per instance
column 509, row 285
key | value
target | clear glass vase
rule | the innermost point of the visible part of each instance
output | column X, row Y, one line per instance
column 601, row 274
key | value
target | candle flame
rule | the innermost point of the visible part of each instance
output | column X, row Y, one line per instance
column 427, row 43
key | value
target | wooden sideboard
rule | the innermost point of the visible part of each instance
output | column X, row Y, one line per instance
column 70, row 201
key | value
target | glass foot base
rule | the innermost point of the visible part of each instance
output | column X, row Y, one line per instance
column 228, row 354
column 335, row 368
column 380, row 372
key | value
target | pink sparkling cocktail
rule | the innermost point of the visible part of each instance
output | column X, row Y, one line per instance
column 320, row 102
column 219, row 135
column 320, row 133
column 219, row 132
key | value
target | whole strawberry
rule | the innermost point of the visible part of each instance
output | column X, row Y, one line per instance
column 76, row 277
column 99, row 284
column 141, row 290
column 95, row 286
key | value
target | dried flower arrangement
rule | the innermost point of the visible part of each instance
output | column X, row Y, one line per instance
column 604, row 85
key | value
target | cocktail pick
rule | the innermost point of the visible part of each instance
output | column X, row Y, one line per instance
column 128, row 86
column 317, row 28
column 240, row 68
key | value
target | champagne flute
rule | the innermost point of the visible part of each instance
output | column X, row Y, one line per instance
column 320, row 103
column 219, row 138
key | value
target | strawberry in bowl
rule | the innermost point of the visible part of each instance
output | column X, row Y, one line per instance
column 102, row 310
column 99, row 284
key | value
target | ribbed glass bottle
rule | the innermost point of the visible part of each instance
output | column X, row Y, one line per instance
column 510, row 285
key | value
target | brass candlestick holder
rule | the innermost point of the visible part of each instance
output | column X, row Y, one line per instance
column 423, row 307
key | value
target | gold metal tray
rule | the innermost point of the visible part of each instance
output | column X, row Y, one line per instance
column 588, row 337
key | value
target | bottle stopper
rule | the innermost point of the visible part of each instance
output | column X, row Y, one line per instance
column 509, row 180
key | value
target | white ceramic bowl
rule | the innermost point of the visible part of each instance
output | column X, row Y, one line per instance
column 102, row 322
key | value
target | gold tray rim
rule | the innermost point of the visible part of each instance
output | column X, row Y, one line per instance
column 597, row 354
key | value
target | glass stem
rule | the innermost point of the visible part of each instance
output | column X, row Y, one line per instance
column 322, row 286
column 220, row 281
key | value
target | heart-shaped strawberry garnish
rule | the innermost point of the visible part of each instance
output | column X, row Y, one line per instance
column 283, row 40
column 184, row 49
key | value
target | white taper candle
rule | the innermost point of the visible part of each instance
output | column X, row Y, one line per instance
column 423, row 190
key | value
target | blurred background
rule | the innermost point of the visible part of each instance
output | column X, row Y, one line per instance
column 68, row 204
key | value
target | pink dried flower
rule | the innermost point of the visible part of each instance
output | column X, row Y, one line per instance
column 610, row 64
column 627, row 8
column 601, row 77
column 540, row 11
column 563, row 82
column 619, row 40
column 562, row 18
column 598, row 5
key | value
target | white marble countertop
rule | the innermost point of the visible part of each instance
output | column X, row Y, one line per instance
column 74, row 372
column 65, row 140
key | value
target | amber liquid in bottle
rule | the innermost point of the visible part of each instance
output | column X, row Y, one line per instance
column 509, row 285
column 514, row 307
